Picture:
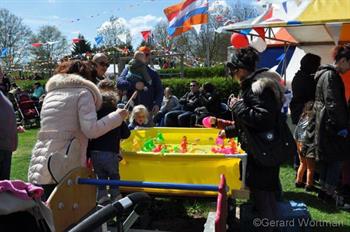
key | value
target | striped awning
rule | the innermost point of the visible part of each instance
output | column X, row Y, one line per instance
column 307, row 21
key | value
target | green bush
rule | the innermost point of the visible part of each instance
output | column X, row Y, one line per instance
column 223, row 86
column 200, row 72
column 27, row 85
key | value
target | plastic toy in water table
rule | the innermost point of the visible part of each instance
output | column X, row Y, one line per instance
column 183, row 144
column 155, row 144
column 221, row 148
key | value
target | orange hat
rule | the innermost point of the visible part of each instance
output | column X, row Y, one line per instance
column 145, row 50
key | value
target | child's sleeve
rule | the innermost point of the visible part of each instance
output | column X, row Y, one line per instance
column 124, row 131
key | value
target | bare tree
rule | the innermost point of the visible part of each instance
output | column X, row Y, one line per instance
column 160, row 34
column 14, row 36
column 54, row 46
column 54, row 43
column 195, row 45
column 112, row 32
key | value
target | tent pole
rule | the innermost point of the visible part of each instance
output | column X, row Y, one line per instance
column 207, row 45
column 284, row 68
column 269, row 37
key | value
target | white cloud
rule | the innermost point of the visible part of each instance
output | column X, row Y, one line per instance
column 75, row 32
column 137, row 24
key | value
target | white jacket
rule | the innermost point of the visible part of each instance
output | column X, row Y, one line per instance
column 68, row 113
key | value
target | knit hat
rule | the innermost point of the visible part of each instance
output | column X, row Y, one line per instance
column 245, row 58
column 310, row 63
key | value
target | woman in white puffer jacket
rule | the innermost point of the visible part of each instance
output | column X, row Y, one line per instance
column 68, row 120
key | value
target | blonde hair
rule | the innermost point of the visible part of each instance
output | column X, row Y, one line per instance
column 139, row 109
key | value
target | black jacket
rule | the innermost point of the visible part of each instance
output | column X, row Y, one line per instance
column 303, row 88
column 190, row 101
column 258, row 110
column 211, row 102
column 331, row 115
column 111, row 140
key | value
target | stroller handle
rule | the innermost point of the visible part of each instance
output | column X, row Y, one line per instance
column 111, row 210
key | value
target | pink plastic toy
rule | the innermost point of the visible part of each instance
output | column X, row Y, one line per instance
column 222, row 150
column 206, row 122
column 220, row 142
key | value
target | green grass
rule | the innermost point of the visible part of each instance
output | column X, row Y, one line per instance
column 21, row 157
column 199, row 208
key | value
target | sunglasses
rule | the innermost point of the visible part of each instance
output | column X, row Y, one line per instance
column 104, row 64
column 232, row 71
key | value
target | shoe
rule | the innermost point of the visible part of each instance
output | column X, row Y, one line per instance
column 345, row 190
column 299, row 185
column 321, row 195
column 311, row 188
column 104, row 200
column 328, row 199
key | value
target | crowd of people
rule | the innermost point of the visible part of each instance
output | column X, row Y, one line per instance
column 86, row 115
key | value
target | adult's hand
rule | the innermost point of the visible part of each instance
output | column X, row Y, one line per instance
column 155, row 109
column 233, row 101
column 222, row 134
column 139, row 85
column 123, row 113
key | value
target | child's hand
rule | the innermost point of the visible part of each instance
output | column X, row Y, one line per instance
column 212, row 120
column 123, row 113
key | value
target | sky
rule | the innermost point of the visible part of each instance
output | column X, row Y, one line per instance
column 140, row 14
column 86, row 16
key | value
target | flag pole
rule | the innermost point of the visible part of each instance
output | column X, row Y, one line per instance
column 207, row 45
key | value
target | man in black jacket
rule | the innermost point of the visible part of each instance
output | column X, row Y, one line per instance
column 304, row 85
column 189, row 102
column 258, row 109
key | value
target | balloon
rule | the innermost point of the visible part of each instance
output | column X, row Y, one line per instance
column 206, row 122
column 239, row 40
column 259, row 44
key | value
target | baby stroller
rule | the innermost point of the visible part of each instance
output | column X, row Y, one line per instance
column 27, row 110
column 21, row 208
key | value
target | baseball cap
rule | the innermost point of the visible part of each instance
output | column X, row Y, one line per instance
column 145, row 50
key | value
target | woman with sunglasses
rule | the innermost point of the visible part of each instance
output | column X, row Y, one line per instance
column 102, row 64
column 258, row 110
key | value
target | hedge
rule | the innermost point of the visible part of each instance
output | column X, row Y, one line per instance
column 199, row 72
column 224, row 86
column 28, row 84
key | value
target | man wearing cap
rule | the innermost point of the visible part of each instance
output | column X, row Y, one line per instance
column 151, row 95
column 101, row 61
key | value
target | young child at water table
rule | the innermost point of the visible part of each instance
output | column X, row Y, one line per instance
column 139, row 117
column 104, row 150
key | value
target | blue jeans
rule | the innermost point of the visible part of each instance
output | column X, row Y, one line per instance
column 178, row 118
column 5, row 164
column 329, row 175
column 106, row 166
